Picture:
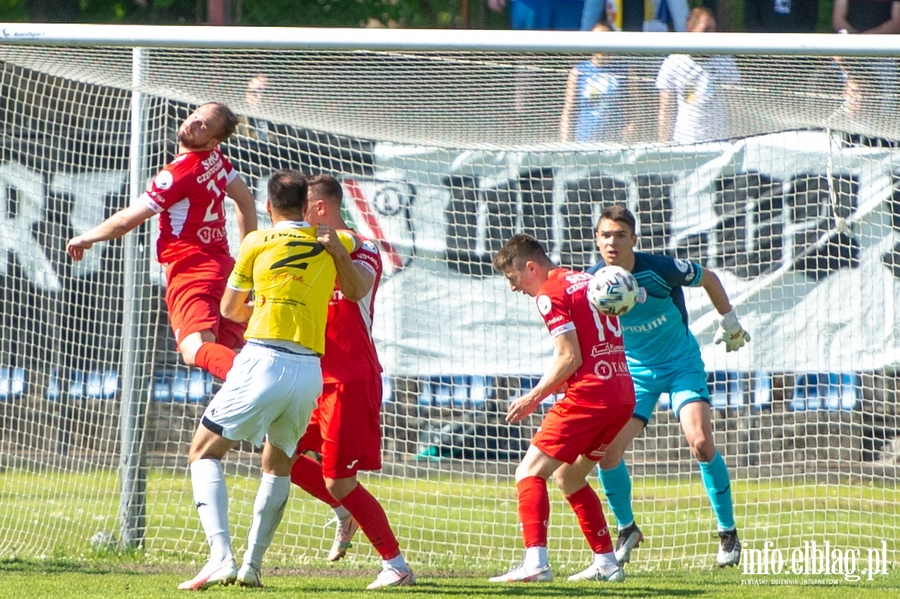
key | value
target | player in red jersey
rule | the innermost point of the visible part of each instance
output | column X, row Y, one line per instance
column 589, row 363
column 188, row 194
column 345, row 427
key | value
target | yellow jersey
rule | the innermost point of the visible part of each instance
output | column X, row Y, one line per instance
column 292, row 278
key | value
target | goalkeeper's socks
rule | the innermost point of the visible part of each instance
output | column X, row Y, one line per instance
column 267, row 512
column 617, row 485
column 718, row 487
column 589, row 512
column 211, row 499
column 215, row 359
column 306, row 473
column 534, row 510
column 366, row 510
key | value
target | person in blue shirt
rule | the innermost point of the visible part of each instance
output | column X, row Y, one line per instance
column 597, row 93
column 664, row 357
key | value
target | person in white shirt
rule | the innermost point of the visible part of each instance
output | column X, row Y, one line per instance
column 692, row 94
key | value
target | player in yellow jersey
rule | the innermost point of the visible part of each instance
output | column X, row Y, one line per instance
column 272, row 388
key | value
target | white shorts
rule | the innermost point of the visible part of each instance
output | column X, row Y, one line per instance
column 267, row 392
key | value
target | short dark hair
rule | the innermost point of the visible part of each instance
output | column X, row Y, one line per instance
column 288, row 192
column 620, row 214
column 228, row 119
column 517, row 251
column 327, row 188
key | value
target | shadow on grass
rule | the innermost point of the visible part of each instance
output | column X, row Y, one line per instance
column 52, row 565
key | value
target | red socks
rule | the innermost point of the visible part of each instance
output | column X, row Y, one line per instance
column 373, row 521
column 215, row 359
column 307, row 474
column 534, row 510
column 589, row 512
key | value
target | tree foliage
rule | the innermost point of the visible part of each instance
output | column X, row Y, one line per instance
column 305, row 13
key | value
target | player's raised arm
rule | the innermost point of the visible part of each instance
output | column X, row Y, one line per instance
column 245, row 203
column 113, row 227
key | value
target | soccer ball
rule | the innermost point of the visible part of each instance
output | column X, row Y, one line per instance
column 613, row 290
column 103, row 540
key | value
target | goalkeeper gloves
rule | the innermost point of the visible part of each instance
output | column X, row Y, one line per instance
column 731, row 333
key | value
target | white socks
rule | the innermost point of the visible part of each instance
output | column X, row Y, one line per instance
column 535, row 558
column 267, row 512
column 211, row 499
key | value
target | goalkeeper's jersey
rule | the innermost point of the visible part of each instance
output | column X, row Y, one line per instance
column 656, row 330
column 292, row 278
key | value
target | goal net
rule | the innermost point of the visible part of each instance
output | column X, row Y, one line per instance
column 778, row 169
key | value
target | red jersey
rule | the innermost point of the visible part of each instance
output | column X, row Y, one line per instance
column 603, row 376
column 349, row 348
column 189, row 196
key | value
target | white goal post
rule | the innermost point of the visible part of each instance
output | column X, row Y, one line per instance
column 448, row 142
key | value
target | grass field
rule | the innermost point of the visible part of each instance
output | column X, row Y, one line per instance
column 103, row 580
column 455, row 530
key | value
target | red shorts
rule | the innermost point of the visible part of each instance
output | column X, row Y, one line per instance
column 345, row 428
column 572, row 429
column 194, row 288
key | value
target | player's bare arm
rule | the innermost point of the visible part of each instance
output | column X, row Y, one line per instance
column 245, row 203
column 234, row 305
column 567, row 359
column 113, row 227
column 354, row 280
column 713, row 287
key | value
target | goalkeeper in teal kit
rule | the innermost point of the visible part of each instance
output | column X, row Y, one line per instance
column 664, row 357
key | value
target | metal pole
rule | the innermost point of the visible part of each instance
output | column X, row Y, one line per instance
column 132, row 503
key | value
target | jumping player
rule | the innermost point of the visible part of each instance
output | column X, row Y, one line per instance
column 188, row 194
column 599, row 399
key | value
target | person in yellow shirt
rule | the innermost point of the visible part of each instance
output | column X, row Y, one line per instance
column 272, row 388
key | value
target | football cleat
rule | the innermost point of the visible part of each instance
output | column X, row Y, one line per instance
column 595, row 572
column 343, row 536
column 729, row 549
column 520, row 573
column 393, row 577
column 224, row 572
column 248, row 576
column 629, row 538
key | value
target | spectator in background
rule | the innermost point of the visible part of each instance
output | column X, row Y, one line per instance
column 866, row 16
column 692, row 100
column 636, row 15
column 252, row 127
column 596, row 93
column 781, row 16
column 542, row 14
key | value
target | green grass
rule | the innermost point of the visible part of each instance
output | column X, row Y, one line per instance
column 60, row 578
column 461, row 524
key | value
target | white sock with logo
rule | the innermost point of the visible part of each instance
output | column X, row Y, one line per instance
column 211, row 499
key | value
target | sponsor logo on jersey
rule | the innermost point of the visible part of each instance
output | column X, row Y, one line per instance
column 164, row 180
column 647, row 326
column 682, row 265
column 642, row 296
column 543, row 304
column 211, row 234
